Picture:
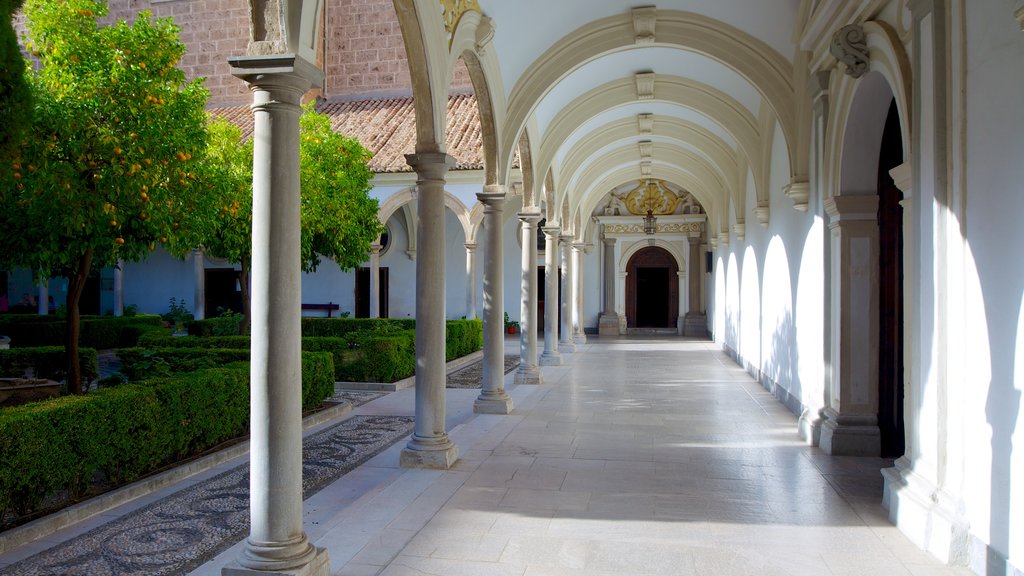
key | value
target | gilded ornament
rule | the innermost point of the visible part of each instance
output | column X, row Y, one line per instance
column 453, row 11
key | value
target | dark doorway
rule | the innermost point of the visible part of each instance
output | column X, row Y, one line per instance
column 223, row 291
column 540, row 299
column 890, row 341
column 652, row 289
column 363, row 292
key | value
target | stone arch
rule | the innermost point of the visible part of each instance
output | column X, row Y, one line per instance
column 767, row 71
column 402, row 197
column 426, row 48
column 636, row 256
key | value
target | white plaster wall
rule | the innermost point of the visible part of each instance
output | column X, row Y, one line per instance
column 994, row 359
column 401, row 271
column 454, row 268
column 592, row 285
column 330, row 284
column 151, row 284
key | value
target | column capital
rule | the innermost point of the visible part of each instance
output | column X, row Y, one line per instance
column 529, row 218
column 375, row 248
column 552, row 231
column 852, row 207
column 491, row 200
column 609, row 240
column 283, row 75
column 470, row 246
column 580, row 246
column 566, row 239
column 430, row 165
column 903, row 177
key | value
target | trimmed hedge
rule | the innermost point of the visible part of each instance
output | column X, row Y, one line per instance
column 222, row 326
column 383, row 358
column 128, row 431
column 46, row 362
column 339, row 327
column 100, row 332
column 463, row 337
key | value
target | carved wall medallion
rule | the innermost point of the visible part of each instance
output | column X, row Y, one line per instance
column 849, row 46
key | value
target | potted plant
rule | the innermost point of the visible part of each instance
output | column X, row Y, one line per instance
column 511, row 326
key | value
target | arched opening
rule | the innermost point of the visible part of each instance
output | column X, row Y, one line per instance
column 890, row 284
column 652, row 289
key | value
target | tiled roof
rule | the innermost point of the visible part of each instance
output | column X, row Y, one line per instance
column 387, row 127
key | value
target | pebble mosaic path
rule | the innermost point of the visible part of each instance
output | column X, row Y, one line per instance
column 471, row 376
column 186, row 529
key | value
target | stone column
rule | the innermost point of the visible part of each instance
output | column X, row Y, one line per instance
column 608, row 324
column 43, row 297
column 694, row 321
column 551, row 356
column 493, row 399
column 430, row 446
column 375, row 280
column 852, row 414
column 277, row 542
column 119, row 288
column 680, row 318
column 567, row 303
column 199, row 272
column 528, row 372
column 471, row 281
column 578, row 250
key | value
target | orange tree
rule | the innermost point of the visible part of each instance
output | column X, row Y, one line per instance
column 339, row 218
column 106, row 171
column 14, row 94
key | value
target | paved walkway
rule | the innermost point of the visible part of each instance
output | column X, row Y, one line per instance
column 637, row 457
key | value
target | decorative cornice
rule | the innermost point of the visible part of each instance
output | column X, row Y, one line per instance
column 849, row 46
column 644, row 18
column 669, row 228
column 646, row 123
column 798, row 192
column 761, row 212
column 645, row 86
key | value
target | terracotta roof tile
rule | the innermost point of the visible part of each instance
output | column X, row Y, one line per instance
column 387, row 127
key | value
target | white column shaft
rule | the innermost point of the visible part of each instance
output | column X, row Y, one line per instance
column 609, row 276
column 493, row 398
column 119, row 288
column 528, row 372
column 551, row 302
column 375, row 281
column 199, row 299
column 565, row 331
column 471, row 281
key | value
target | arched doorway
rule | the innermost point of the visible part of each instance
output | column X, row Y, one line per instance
column 652, row 289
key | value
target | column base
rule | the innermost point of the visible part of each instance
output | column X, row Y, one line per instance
column 551, row 359
column 608, row 325
column 695, row 325
column 320, row 565
column 493, row 404
column 528, row 375
column 809, row 426
column 580, row 339
column 850, row 435
column 439, row 454
column 567, row 346
column 925, row 514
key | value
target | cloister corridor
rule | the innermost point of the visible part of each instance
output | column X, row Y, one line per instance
column 638, row 456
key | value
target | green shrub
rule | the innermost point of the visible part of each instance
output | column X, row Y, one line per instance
column 340, row 327
column 221, row 326
column 380, row 358
column 46, row 362
column 127, row 431
column 211, row 342
column 100, row 332
column 141, row 363
column 463, row 337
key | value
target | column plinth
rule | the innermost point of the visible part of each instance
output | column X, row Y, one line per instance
column 551, row 356
column 493, row 399
column 430, row 446
column 277, row 543
column 528, row 372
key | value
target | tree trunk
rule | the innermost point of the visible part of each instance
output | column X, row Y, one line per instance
column 243, row 281
column 76, row 284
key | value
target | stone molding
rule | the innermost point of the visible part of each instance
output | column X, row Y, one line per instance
column 645, row 85
column 671, row 228
column 761, row 212
column 644, row 20
column 849, row 46
column 799, row 193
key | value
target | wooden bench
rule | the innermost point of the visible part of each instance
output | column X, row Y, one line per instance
column 330, row 307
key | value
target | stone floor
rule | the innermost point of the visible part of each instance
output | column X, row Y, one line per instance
column 638, row 456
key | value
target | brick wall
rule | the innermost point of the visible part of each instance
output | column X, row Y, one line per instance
column 364, row 51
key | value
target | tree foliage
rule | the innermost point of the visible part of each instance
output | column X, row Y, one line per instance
column 107, row 170
column 339, row 219
column 15, row 98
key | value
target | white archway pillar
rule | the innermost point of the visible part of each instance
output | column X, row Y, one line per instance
column 567, row 296
column 578, row 252
column 375, row 280
column 277, row 542
column 470, row 280
column 430, row 446
column 199, row 274
column 851, row 427
column 528, row 372
column 608, row 324
column 119, row 288
column 680, row 320
column 43, row 297
column 493, row 399
column 551, row 356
